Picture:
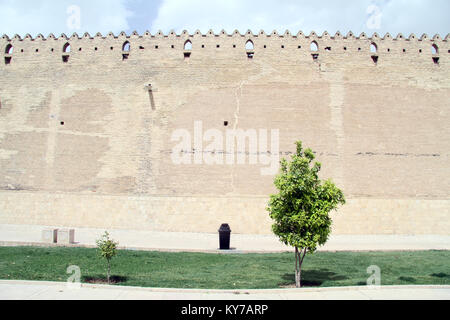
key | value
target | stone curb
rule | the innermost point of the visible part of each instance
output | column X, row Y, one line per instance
column 216, row 291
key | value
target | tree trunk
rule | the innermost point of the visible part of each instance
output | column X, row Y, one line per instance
column 298, row 269
column 108, row 272
column 299, row 257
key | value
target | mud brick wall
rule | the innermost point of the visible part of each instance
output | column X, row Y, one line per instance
column 84, row 143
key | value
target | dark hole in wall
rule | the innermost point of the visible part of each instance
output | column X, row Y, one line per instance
column 141, row 48
column 328, row 48
column 62, row 123
column 187, row 55
column 125, row 56
column 225, row 123
column 8, row 60
column 315, row 56
column 156, row 47
column 65, row 59
column 250, row 55
column 436, row 60
column 375, row 59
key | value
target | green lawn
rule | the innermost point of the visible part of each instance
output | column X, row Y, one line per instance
column 236, row 271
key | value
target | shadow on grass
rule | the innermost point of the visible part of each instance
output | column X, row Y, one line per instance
column 312, row 278
column 440, row 275
column 407, row 279
column 102, row 279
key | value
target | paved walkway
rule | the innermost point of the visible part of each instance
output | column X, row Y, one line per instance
column 199, row 242
column 29, row 290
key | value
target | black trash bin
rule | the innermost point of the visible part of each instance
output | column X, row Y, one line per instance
column 224, row 237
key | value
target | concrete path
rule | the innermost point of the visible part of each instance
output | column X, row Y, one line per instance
column 29, row 290
column 199, row 242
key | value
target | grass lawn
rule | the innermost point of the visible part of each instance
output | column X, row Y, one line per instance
column 236, row 271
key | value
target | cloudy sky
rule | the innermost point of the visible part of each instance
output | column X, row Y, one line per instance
column 68, row 16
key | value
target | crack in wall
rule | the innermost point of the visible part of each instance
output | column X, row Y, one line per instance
column 238, row 95
column 265, row 69
column 373, row 154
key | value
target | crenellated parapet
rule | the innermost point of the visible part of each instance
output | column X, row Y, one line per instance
column 247, row 45
column 261, row 34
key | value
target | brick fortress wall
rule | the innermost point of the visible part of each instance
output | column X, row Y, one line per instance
column 85, row 143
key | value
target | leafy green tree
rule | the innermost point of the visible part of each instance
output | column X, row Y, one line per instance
column 301, row 208
column 107, row 249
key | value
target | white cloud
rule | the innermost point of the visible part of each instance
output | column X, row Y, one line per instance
column 50, row 16
column 405, row 16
